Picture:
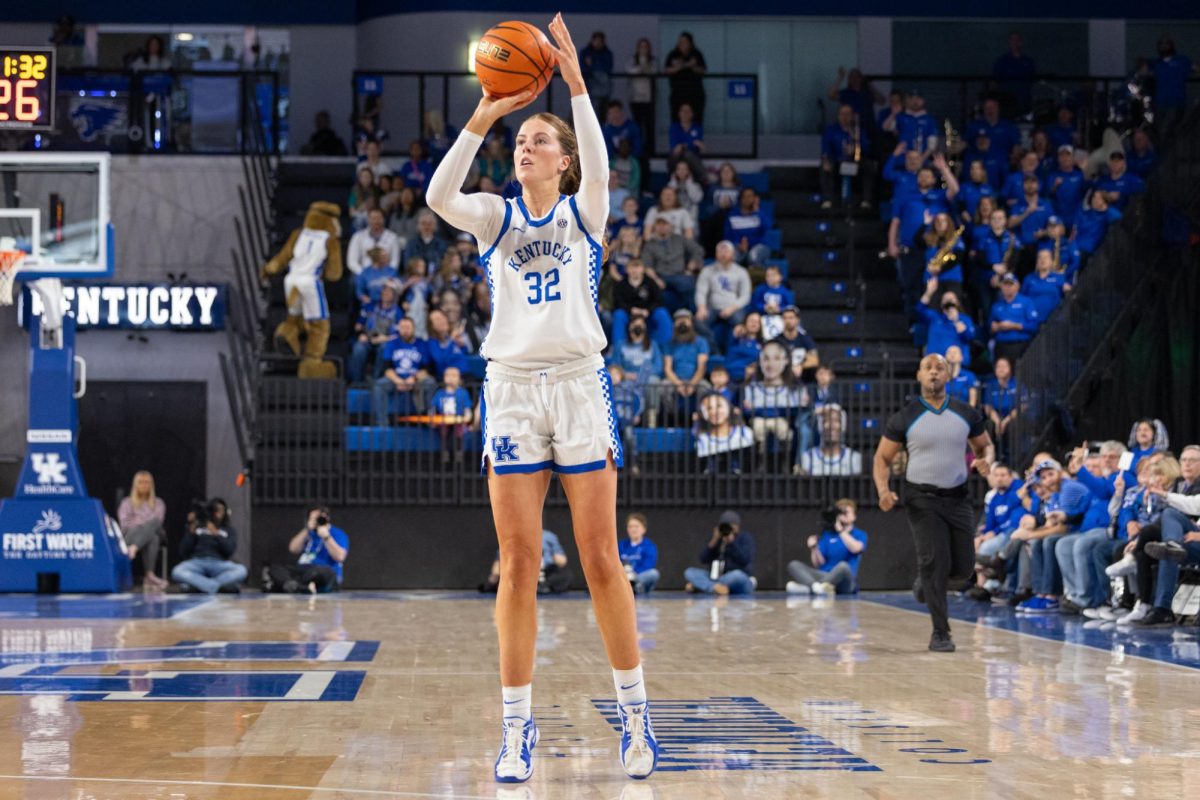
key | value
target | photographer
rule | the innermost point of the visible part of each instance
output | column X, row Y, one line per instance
column 729, row 555
column 322, row 549
column 207, row 550
column 835, row 554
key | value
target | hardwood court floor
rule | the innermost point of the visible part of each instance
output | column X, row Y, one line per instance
column 378, row 695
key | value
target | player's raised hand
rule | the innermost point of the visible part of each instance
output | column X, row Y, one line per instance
column 567, row 55
column 497, row 107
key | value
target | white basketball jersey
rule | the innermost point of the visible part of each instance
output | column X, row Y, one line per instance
column 309, row 253
column 544, row 278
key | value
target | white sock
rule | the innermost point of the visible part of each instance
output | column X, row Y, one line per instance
column 631, row 688
column 517, row 702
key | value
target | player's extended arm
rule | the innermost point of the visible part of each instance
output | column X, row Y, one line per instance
column 475, row 213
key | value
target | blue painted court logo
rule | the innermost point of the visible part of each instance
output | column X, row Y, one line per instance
column 504, row 449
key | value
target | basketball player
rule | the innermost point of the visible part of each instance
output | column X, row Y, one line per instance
column 547, row 401
column 937, row 430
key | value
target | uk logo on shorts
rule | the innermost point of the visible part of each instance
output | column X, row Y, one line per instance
column 504, row 450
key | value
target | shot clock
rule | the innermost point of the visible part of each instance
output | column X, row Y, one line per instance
column 27, row 88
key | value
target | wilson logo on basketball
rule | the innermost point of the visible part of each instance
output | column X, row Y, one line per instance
column 492, row 51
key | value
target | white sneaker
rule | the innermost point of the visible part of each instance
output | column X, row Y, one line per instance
column 639, row 748
column 1139, row 612
column 1094, row 613
column 822, row 588
column 1126, row 566
column 795, row 587
column 1113, row 614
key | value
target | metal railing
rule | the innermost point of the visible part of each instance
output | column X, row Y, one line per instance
column 1066, row 362
column 195, row 112
column 316, row 439
column 731, row 121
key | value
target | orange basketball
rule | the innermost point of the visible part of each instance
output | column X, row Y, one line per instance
column 513, row 57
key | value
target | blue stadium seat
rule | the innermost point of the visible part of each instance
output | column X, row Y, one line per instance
column 767, row 209
column 358, row 401
column 774, row 240
column 758, row 181
column 372, row 439
column 663, row 440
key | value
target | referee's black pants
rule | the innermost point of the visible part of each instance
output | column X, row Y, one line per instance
column 943, row 528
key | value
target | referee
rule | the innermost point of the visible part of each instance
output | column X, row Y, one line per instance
column 936, row 430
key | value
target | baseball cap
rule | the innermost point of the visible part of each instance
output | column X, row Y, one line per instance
column 1054, row 220
column 1010, row 278
column 1117, row 154
column 1066, row 148
column 681, row 313
column 793, row 308
column 1049, row 463
column 730, row 518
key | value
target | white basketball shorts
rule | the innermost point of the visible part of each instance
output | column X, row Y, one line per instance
column 561, row 419
column 310, row 296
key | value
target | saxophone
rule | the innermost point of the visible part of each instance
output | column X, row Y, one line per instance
column 1012, row 241
column 945, row 253
column 1057, row 254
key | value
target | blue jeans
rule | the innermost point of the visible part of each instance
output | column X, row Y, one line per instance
column 411, row 401
column 208, row 574
column 659, row 327
column 840, row 575
column 719, row 331
column 737, row 581
column 356, row 366
column 645, row 581
column 680, row 292
column 1174, row 525
column 1074, row 554
column 1046, row 576
column 992, row 546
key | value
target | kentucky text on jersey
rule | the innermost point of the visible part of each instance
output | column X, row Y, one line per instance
column 526, row 253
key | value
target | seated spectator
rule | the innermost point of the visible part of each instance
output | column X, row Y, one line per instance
column 1002, row 514
column 628, row 404
column 994, row 160
column 322, row 549
column 721, row 437
column 916, row 128
column 626, row 164
column 437, row 136
column 822, row 393
column 723, row 195
column 364, row 198
column 728, row 559
column 1120, row 184
column 141, row 514
column 742, row 354
column 1002, row 134
column 207, row 553
column 975, row 189
column 368, row 284
column 670, row 209
column 323, row 141
column 427, row 244
column 722, row 296
column 688, row 190
column 1000, row 404
column 947, row 325
column 718, row 378
column 1013, row 320
column 831, row 456
column 684, row 362
column 389, row 194
column 1040, row 146
column 746, row 226
column 834, row 554
column 367, row 129
column 772, row 401
column 376, row 327
column 555, row 577
column 944, row 253
column 414, row 294
column 627, row 247
column 406, row 372
column 685, row 140
column 1147, row 436
column 618, row 127
column 962, row 384
column 479, row 316
column 1140, row 157
column 374, row 236
column 1085, row 587
column 449, row 304
column 617, row 195
column 495, row 162
column 672, row 262
column 1014, row 185
column 503, row 133
column 450, row 278
column 1064, row 253
column 800, row 344
column 1175, row 500
column 772, row 297
column 639, row 355
column 1045, row 287
column 628, row 218
column 468, row 251
column 1093, row 222
column 636, row 297
column 403, row 219
column 1066, row 186
column 1063, row 132
column 845, row 155
column 639, row 555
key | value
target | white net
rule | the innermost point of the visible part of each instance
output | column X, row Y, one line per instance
column 10, row 265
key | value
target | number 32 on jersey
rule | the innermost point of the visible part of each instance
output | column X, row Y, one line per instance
column 542, row 287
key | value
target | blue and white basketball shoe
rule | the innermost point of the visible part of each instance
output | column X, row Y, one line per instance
column 515, row 762
column 639, row 748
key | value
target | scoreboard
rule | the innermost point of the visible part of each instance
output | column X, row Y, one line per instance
column 27, row 88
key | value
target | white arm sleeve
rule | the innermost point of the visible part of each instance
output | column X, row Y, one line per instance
column 592, row 199
column 479, row 214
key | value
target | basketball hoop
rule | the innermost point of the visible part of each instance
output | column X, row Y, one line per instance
column 10, row 265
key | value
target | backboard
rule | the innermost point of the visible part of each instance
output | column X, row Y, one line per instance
column 55, row 207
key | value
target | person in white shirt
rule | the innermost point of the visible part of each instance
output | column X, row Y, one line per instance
column 358, row 254
column 831, row 457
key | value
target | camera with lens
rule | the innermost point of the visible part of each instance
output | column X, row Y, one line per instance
column 829, row 518
column 322, row 519
column 725, row 529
